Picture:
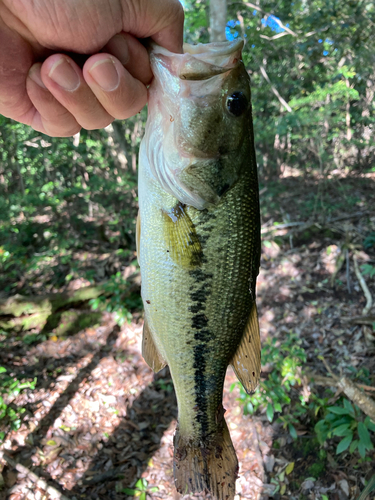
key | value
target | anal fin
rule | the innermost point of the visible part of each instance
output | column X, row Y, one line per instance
column 246, row 360
column 150, row 352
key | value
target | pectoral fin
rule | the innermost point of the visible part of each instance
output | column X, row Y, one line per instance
column 181, row 238
column 246, row 361
column 150, row 352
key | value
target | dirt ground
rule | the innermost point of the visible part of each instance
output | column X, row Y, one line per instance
column 99, row 419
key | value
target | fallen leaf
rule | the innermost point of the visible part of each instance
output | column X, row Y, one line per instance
column 289, row 468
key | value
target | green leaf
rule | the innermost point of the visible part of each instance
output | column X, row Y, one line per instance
column 2, row 369
column 364, row 436
column 292, row 431
column 129, row 491
column 349, row 407
column 289, row 468
column 362, row 449
column 338, row 410
column 353, row 445
column 369, row 488
column 344, row 444
column 270, row 412
column 250, row 408
column 342, row 430
column 369, row 424
column 277, row 407
column 142, row 496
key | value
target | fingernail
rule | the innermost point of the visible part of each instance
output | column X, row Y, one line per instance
column 34, row 75
column 105, row 74
column 63, row 73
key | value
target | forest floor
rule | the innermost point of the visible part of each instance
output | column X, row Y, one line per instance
column 98, row 420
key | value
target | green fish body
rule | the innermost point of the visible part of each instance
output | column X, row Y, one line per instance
column 198, row 243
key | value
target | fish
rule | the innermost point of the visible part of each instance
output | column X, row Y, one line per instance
column 198, row 247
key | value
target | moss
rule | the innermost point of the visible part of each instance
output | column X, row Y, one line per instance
column 316, row 470
column 72, row 322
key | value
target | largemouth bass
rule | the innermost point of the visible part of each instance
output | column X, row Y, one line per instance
column 198, row 243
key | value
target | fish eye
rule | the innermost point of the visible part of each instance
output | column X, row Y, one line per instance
column 237, row 103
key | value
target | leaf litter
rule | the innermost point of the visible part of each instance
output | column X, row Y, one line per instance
column 99, row 420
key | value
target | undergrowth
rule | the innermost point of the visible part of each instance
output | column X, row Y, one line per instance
column 10, row 388
column 284, row 396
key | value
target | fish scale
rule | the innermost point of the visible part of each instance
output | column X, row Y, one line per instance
column 198, row 243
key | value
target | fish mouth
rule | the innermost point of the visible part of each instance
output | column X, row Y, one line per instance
column 199, row 62
column 215, row 48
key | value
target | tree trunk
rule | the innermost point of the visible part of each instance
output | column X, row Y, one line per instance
column 218, row 20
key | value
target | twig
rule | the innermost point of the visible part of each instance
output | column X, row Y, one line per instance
column 267, row 14
column 105, row 476
column 274, row 90
column 329, row 381
column 274, row 37
column 52, row 492
column 328, row 368
column 351, row 390
column 364, row 287
column 301, row 226
column 360, row 320
column 348, row 271
column 366, row 404
column 351, row 216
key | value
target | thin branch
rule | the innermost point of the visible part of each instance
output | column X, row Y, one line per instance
column 359, row 320
column 274, row 37
column 277, row 20
column 274, row 90
column 351, row 391
column 364, row 287
column 52, row 492
column 348, row 271
column 330, row 382
column 305, row 225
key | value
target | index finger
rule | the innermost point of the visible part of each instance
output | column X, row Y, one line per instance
column 162, row 20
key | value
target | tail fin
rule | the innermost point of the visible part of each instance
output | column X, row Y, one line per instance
column 211, row 465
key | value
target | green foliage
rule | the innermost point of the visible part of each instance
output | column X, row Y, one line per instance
column 278, row 394
column 141, row 490
column 369, row 488
column 58, row 196
column 119, row 302
column 368, row 270
column 345, row 421
column 10, row 387
column 323, row 70
column 369, row 241
column 283, row 361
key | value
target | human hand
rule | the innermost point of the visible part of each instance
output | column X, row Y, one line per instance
column 42, row 86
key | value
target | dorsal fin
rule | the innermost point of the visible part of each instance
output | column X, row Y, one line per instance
column 246, row 360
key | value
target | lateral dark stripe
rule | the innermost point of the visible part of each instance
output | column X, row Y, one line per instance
column 200, row 292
